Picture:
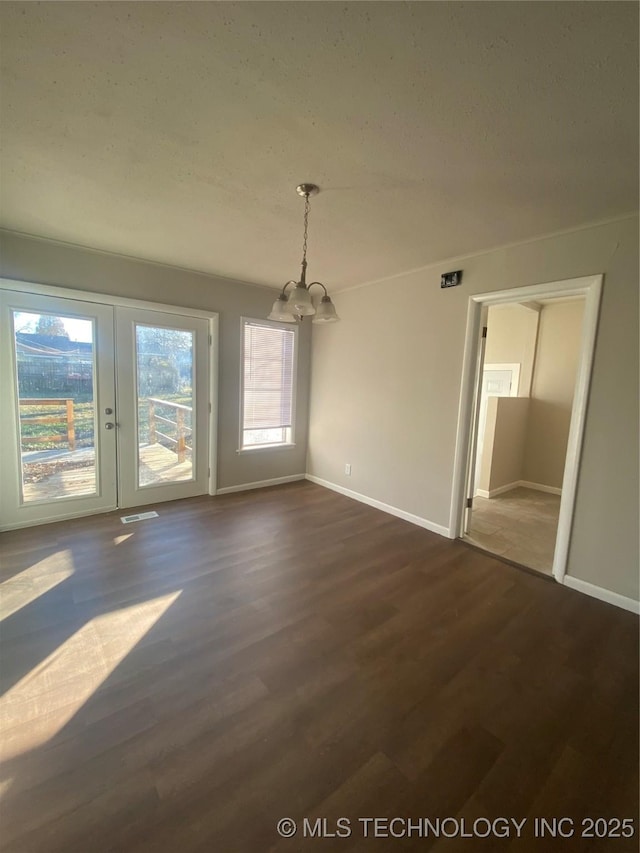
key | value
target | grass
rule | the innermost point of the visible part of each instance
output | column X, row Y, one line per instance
column 34, row 435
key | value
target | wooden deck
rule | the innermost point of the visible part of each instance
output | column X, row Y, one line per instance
column 67, row 478
column 158, row 464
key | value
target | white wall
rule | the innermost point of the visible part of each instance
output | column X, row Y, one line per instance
column 505, row 435
column 552, row 392
column 386, row 386
column 547, row 347
column 46, row 262
column 512, row 331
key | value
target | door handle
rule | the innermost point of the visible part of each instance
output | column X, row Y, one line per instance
column 109, row 425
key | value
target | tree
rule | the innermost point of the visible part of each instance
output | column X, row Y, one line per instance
column 159, row 340
column 52, row 326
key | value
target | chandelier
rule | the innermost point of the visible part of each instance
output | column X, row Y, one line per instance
column 297, row 304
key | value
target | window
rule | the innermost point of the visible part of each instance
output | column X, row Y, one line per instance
column 268, row 368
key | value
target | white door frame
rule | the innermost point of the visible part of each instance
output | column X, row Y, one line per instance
column 106, row 299
column 591, row 288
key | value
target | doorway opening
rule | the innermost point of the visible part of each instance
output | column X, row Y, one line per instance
column 106, row 406
column 523, row 428
column 528, row 359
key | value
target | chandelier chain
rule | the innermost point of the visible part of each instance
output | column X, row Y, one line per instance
column 306, row 228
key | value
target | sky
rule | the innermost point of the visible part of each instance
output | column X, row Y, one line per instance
column 79, row 330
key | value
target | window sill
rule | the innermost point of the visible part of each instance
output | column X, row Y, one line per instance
column 261, row 448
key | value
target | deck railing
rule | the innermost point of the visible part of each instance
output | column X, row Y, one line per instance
column 65, row 417
column 179, row 442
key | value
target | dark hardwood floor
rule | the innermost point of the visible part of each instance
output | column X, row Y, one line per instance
column 181, row 684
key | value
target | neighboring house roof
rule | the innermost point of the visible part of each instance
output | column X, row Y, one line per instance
column 31, row 342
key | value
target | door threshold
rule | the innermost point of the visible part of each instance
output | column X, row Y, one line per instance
column 539, row 573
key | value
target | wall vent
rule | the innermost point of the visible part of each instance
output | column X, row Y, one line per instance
column 139, row 516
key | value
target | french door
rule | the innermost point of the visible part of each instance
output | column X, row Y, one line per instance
column 162, row 369
column 100, row 407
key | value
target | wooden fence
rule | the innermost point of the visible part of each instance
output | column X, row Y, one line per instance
column 179, row 440
column 63, row 416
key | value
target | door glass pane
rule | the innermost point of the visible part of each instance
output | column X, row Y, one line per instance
column 165, row 372
column 55, row 366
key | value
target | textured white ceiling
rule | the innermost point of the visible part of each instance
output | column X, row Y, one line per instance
column 177, row 132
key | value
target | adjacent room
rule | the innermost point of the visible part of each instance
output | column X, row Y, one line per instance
column 319, row 487
column 531, row 357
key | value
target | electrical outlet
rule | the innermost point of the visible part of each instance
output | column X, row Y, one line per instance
column 347, row 469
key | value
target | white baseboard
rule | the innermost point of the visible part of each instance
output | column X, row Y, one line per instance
column 483, row 493
column 603, row 594
column 392, row 510
column 260, row 484
column 54, row 518
column 539, row 487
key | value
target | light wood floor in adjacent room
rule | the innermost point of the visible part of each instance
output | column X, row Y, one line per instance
column 181, row 684
column 520, row 525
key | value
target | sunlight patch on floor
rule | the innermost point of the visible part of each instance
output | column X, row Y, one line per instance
column 27, row 586
column 36, row 708
column 5, row 784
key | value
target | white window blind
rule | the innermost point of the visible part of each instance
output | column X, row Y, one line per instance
column 267, row 404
